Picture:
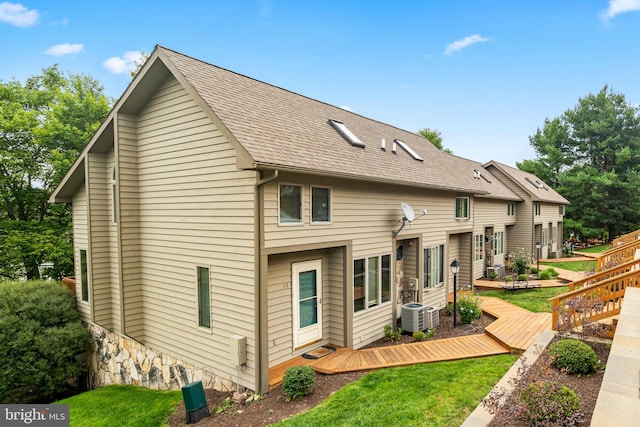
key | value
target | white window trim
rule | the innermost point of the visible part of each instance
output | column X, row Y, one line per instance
column 297, row 223
column 198, row 326
column 468, row 208
column 442, row 280
column 478, row 238
column 311, row 206
column 366, row 308
column 496, row 240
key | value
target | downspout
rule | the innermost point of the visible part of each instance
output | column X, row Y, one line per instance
column 261, row 291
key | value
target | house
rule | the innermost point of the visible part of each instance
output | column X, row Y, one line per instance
column 223, row 226
column 538, row 217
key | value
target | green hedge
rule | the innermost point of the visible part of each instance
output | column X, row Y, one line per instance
column 40, row 335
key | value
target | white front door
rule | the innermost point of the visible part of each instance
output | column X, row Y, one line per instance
column 307, row 302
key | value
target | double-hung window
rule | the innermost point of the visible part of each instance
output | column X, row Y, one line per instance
column 371, row 282
column 433, row 273
column 462, row 208
column 479, row 247
column 204, row 297
column 498, row 243
column 290, row 204
column 320, row 204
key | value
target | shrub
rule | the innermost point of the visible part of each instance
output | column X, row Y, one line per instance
column 298, row 380
column 419, row 336
column 520, row 260
column 40, row 335
column 448, row 309
column 574, row 356
column 546, row 275
column 469, row 308
column 522, row 277
column 493, row 275
column 391, row 334
column 549, row 403
column 508, row 279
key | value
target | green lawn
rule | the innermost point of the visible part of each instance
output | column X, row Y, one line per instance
column 433, row 394
column 535, row 300
column 571, row 265
column 122, row 405
column 595, row 249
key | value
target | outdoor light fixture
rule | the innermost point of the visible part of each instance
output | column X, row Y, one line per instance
column 538, row 257
column 455, row 268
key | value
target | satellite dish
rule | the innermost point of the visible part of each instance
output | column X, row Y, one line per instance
column 408, row 211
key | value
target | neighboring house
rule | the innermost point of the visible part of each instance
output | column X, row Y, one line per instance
column 538, row 217
column 214, row 213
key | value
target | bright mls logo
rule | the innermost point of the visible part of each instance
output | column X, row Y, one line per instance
column 34, row 415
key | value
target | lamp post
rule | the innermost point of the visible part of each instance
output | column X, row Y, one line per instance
column 538, row 257
column 455, row 267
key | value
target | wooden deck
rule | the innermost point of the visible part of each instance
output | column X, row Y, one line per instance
column 513, row 332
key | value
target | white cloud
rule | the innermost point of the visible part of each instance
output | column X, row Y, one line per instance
column 18, row 15
column 123, row 65
column 620, row 6
column 465, row 42
column 346, row 107
column 65, row 49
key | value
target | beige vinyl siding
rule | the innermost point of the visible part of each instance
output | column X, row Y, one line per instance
column 366, row 214
column 521, row 234
column 490, row 213
column 194, row 207
column 104, row 243
column 126, row 135
column 549, row 216
column 280, row 306
column 80, row 241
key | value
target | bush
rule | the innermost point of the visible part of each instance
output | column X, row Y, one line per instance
column 508, row 279
column 448, row 309
column 574, row 356
column 522, row 277
column 549, row 403
column 419, row 336
column 40, row 335
column 520, row 260
column 545, row 275
column 298, row 380
column 391, row 334
column 469, row 309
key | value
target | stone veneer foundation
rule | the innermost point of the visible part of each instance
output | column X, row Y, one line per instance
column 118, row 359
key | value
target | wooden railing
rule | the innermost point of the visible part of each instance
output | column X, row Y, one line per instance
column 603, row 275
column 592, row 303
column 627, row 238
column 618, row 255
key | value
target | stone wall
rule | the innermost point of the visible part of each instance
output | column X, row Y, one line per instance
column 118, row 359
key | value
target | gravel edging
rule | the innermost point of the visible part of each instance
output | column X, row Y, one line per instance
column 481, row 417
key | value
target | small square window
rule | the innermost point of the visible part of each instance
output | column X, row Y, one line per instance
column 462, row 208
column 290, row 204
column 320, row 204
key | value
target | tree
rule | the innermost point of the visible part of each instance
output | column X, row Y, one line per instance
column 591, row 154
column 40, row 333
column 44, row 123
column 435, row 137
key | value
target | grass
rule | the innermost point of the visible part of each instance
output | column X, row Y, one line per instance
column 595, row 249
column 122, row 405
column 571, row 265
column 434, row 394
column 535, row 300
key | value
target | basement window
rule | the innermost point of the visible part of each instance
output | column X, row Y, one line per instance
column 409, row 150
column 346, row 133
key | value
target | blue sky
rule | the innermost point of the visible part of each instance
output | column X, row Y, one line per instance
column 484, row 73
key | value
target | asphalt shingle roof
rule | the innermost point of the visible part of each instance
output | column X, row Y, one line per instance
column 282, row 129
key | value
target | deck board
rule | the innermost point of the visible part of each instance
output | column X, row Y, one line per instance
column 514, row 330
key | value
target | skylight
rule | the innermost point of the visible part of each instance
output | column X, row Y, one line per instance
column 346, row 133
column 408, row 149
